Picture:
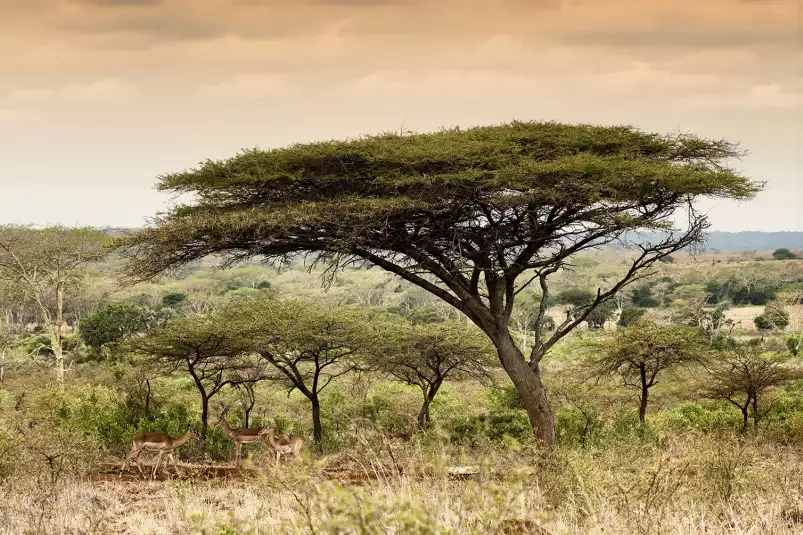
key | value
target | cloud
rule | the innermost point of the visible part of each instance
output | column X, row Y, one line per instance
column 112, row 3
column 642, row 75
column 103, row 90
column 246, row 86
column 765, row 96
column 448, row 83
column 11, row 115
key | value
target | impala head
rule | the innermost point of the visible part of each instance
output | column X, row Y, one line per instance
column 222, row 418
column 191, row 431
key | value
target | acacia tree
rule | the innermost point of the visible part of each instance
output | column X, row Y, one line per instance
column 640, row 353
column 204, row 347
column 743, row 376
column 306, row 345
column 45, row 265
column 426, row 355
column 472, row 216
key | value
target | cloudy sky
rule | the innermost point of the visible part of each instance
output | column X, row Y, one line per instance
column 98, row 97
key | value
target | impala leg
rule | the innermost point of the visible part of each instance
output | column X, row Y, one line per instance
column 172, row 461
column 238, row 448
column 131, row 457
column 156, row 466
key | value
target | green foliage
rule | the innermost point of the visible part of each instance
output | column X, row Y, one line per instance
column 40, row 345
column 630, row 315
column 685, row 417
column 113, row 323
column 643, row 297
column 742, row 291
column 794, row 344
column 775, row 317
column 597, row 318
column 577, row 428
column 420, row 315
column 448, row 210
column 579, row 300
column 575, row 297
column 784, row 254
column 174, row 299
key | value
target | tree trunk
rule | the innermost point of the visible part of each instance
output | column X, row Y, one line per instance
column 423, row 414
column 317, row 430
column 148, row 415
column 527, row 381
column 58, row 355
column 2, row 368
column 204, row 415
column 249, row 405
column 744, row 418
column 756, row 416
column 642, row 411
column 56, row 338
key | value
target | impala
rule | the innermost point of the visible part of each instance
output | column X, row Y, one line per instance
column 282, row 445
column 240, row 435
column 160, row 442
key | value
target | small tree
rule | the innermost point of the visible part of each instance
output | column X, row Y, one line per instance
column 774, row 318
column 45, row 265
column 208, row 349
column 113, row 323
column 579, row 302
column 306, row 345
column 601, row 315
column 639, row 354
column 743, row 376
column 245, row 382
column 426, row 355
column 784, row 254
column 710, row 320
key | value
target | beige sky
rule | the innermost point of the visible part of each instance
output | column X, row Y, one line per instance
column 98, row 97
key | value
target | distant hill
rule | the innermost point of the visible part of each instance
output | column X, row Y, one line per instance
column 754, row 241
column 717, row 241
column 740, row 241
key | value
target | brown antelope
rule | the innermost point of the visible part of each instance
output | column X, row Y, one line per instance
column 240, row 435
column 160, row 442
column 282, row 445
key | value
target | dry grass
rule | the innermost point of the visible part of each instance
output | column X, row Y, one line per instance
column 691, row 484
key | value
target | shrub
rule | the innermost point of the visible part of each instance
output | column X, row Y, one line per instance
column 630, row 315
column 773, row 318
column 574, row 427
column 512, row 423
column 643, row 297
column 784, row 254
column 793, row 343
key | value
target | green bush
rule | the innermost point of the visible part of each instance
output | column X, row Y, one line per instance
column 687, row 416
column 504, row 425
column 774, row 317
column 794, row 345
column 574, row 428
column 630, row 315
